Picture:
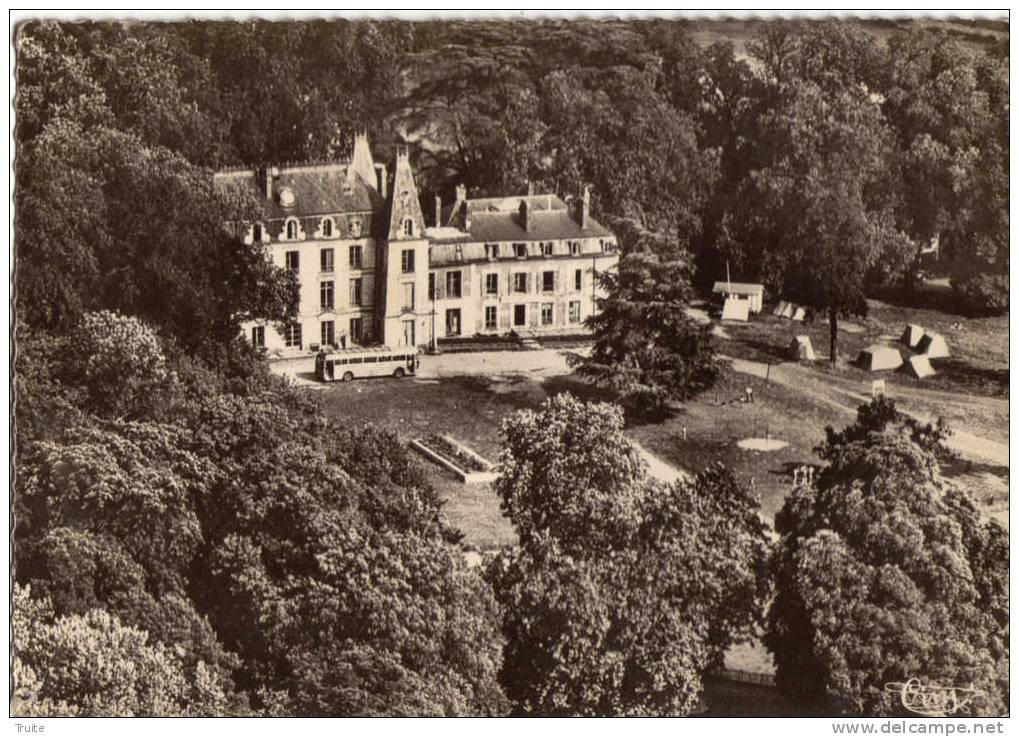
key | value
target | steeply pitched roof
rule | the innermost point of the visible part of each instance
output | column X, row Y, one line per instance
column 318, row 189
column 403, row 200
column 500, row 219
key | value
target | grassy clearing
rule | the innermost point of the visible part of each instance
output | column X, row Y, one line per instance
column 979, row 345
column 472, row 408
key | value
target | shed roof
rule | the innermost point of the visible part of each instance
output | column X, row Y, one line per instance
column 735, row 287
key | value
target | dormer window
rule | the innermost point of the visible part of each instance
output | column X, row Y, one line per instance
column 327, row 227
column 257, row 233
column 292, row 230
column 408, row 227
column 355, row 227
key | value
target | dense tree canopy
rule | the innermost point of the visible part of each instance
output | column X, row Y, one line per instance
column 193, row 536
column 209, row 531
column 591, row 628
column 886, row 572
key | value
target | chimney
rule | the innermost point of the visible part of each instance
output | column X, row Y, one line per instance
column 438, row 211
column 467, row 216
column 525, row 221
column 265, row 180
column 585, row 208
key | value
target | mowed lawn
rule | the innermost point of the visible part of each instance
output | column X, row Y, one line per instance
column 978, row 365
column 471, row 409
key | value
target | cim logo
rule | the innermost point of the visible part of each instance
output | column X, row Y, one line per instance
column 932, row 700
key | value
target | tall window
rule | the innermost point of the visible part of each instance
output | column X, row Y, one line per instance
column 328, row 260
column 357, row 329
column 520, row 283
column 408, row 226
column 326, row 295
column 292, row 230
column 520, row 250
column 327, row 227
column 258, row 336
column 574, row 311
column 492, row 284
column 490, row 317
column 293, row 261
column 546, row 313
column 407, row 261
column 408, row 297
column 548, row 281
column 355, row 257
column 452, row 323
column 328, row 332
column 492, row 250
column 546, row 248
column 356, row 291
column 292, row 336
column 453, row 285
column 431, row 286
column 578, row 279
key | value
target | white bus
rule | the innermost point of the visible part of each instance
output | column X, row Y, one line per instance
column 357, row 363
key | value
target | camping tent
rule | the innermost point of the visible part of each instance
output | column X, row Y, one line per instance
column 784, row 309
column 800, row 348
column 933, row 345
column 799, row 313
column 918, row 366
column 753, row 294
column 879, row 358
column 736, row 309
column 911, row 335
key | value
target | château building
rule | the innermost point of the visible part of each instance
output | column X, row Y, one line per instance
column 372, row 271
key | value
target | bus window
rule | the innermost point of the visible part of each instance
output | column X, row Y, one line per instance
column 356, row 360
column 340, row 361
column 370, row 359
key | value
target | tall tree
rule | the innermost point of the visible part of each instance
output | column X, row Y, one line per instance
column 949, row 107
column 590, row 628
column 647, row 349
column 886, row 572
column 821, row 209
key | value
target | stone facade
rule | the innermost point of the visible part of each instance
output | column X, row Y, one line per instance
column 372, row 271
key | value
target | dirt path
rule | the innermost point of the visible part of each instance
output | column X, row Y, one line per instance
column 658, row 468
column 822, row 389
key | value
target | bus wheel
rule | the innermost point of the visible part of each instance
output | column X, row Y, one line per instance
column 399, row 373
column 348, row 376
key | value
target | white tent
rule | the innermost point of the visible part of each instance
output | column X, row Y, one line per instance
column 933, row 345
column 911, row 335
column 736, row 309
column 786, row 309
column 879, row 357
column 801, row 349
column 918, row 366
column 799, row 314
column 779, row 308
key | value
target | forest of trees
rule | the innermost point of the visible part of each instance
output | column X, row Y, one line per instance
column 194, row 537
